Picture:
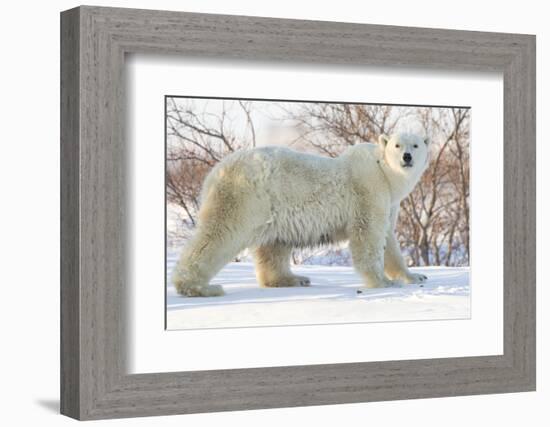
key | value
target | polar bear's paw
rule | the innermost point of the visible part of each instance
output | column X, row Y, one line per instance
column 288, row 281
column 392, row 284
column 386, row 283
column 375, row 283
column 415, row 278
column 201, row 291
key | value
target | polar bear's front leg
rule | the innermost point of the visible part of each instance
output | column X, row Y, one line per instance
column 394, row 264
column 366, row 243
column 273, row 267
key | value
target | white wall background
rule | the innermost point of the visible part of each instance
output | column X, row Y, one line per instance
column 29, row 225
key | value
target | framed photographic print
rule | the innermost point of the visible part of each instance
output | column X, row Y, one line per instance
column 262, row 213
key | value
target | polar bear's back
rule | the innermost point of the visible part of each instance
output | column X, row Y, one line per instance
column 265, row 168
column 298, row 198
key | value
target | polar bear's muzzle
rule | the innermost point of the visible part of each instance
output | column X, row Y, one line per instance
column 407, row 160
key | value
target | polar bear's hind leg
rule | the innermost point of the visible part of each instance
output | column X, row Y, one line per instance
column 205, row 255
column 273, row 267
column 222, row 233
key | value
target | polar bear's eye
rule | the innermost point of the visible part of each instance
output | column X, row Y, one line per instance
column 396, row 145
column 415, row 145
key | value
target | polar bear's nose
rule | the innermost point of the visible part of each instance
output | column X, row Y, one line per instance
column 407, row 157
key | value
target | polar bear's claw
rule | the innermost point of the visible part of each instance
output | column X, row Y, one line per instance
column 303, row 280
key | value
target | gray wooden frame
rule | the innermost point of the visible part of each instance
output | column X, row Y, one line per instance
column 94, row 41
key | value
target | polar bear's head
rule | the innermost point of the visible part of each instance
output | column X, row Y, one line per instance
column 404, row 153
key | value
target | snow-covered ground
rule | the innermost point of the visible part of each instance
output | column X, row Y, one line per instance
column 331, row 298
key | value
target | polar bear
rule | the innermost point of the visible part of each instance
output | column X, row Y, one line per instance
column 274, row 199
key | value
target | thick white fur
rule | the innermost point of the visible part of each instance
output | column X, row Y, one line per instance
column 274, row 199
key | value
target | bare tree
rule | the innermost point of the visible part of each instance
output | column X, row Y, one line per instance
column 330, row 128
column 433, row 223
column 197, row 140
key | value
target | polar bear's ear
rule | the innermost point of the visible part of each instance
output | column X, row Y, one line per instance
column 427, row 140
column 383, row 140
